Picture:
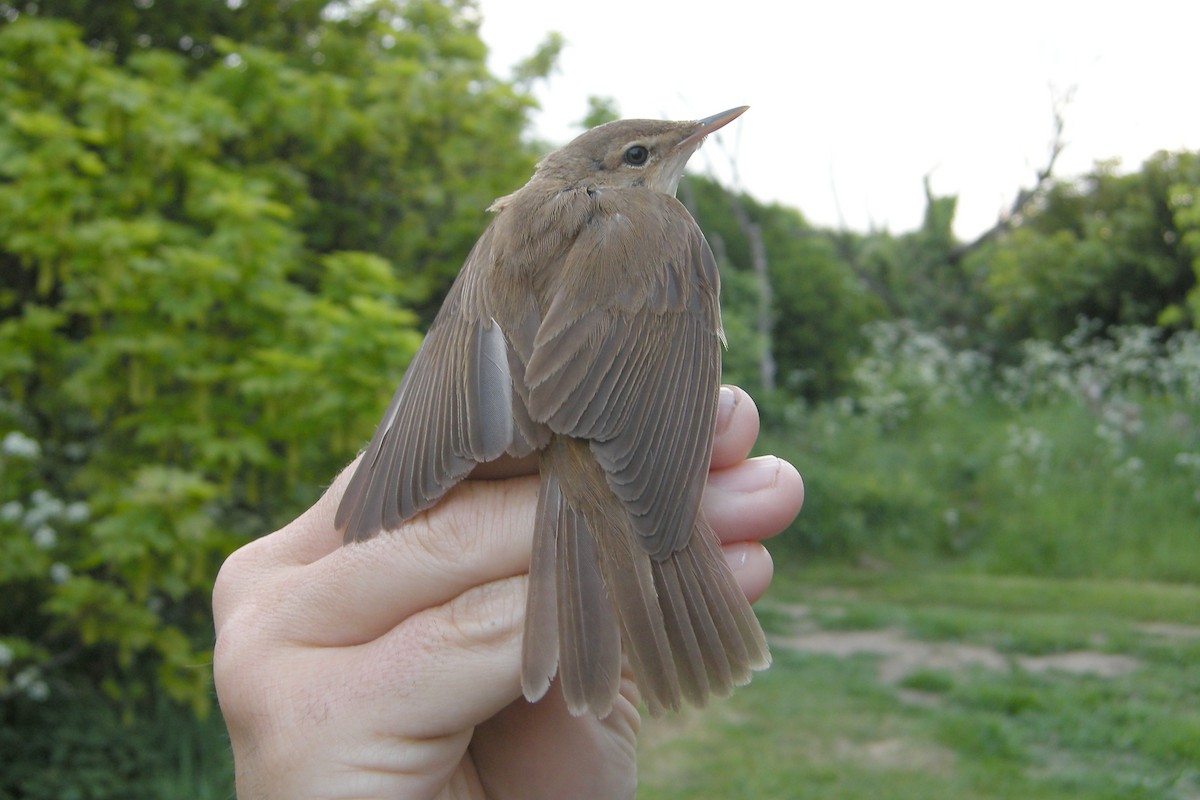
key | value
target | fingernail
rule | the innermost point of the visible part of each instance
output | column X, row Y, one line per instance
column 736, row 556
column 752, row 475
column 727, row 401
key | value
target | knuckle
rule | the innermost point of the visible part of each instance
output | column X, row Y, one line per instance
column 488, row 615
column 484, row 617
column 474, row 524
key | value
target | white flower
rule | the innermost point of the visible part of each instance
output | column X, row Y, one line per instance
column 19, row 445
column 59, row 572
column 1187, row 460
column 76, row 512
column 44, row 538
column 25, row 678
column 38, row 691
column 45, row 507
column 29, row 681
column 11, row 511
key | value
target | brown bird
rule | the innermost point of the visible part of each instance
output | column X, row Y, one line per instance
column 585, row 325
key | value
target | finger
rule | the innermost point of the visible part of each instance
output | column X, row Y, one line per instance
column 737, row 427
column 388, row 707
column 449, row 667
column 312, row 536
column 304, row 540
column 752, row 567
column 481, row 531
column 756, row 499
column 446, row 550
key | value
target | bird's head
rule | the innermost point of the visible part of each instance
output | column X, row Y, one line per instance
column 630, row 153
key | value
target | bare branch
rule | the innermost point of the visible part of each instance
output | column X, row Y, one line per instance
column 1012, row 217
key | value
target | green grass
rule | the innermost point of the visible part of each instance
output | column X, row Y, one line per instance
column 1005, row 491
column 825, row 726
column 989, row 550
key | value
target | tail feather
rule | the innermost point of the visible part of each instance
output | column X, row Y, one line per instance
column 644, row 628
column 688, row 644
column 589, row 639
column 744, row 646
column 539, row 656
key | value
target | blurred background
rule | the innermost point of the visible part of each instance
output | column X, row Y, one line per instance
column 959, row 252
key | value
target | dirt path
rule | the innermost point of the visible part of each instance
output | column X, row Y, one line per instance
column 901, row 655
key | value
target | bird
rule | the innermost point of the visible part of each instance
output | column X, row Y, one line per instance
column 585, row 327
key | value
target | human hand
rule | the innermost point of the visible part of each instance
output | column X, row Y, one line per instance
column 391, row 668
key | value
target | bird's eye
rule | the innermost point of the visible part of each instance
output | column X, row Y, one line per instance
column 636, row 156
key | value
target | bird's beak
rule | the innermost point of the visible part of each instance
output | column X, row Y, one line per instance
column 709, row 124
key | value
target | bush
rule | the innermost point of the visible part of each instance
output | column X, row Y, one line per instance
column 76, row 746
column 1081, row 460
column 211, row 278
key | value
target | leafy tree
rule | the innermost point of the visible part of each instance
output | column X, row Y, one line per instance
column 193, row 27
column 211, row 277
column 819, row 305
column 599, row 111
column 918, row 275
column 1117, row 248
column 1185, row 205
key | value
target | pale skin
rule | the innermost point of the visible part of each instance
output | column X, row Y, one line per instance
column 391, row 668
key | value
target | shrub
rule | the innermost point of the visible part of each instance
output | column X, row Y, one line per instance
column 1081, row 459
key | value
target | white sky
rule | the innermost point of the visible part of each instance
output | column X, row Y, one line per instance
column 853, row 103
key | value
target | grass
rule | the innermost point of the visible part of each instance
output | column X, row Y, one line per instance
column 829, row 726
column 1000, row 490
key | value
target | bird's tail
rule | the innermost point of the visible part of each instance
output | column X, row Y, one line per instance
column 685, row 624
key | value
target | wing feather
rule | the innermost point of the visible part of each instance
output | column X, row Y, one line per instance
column 452, row 410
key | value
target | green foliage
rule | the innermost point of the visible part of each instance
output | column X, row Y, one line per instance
column 1121, row 249
column 918, row 275
column 818, row 305
column 188, row 27
column 1081, row 460
column 541, row 63
column 76, row 746
column 212, row 273
column 600, row 110
column 1184, row 201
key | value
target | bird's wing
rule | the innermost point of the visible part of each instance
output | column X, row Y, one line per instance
column 636, row 371
column 452, row 410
